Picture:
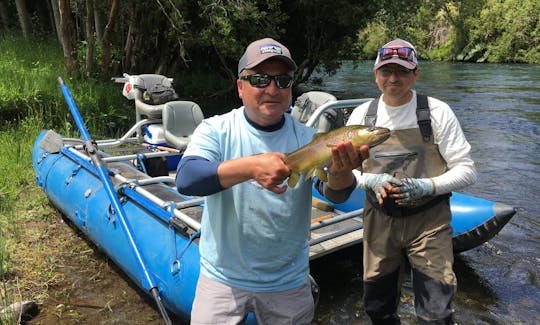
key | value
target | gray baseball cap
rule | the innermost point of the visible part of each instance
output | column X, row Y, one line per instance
column 409, row 61
column 262, row 50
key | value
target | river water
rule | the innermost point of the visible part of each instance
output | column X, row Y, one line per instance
column 498, row 106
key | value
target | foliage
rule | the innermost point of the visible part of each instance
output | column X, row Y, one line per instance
column 29, row 88
column 228, row 26
column 392, row 21
column 321, row 34
column 465, row 30
column 185, row 39
column 507, row 31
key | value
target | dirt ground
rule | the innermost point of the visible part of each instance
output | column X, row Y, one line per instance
column 56, row 266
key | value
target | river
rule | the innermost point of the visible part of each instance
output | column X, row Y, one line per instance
column 498, row 106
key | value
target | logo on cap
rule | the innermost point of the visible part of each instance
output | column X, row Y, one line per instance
column 270, row 48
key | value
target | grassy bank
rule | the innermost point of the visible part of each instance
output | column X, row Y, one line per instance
column 30, row 101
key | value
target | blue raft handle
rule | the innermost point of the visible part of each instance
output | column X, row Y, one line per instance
column 91, row 150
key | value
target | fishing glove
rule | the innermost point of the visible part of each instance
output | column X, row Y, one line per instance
column 413, row 189
column 376, row 182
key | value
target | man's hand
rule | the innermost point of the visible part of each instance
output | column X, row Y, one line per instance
column 413, row 189
column 345, row 158
column 270, row 171
column 267, row 170
column 381, row 185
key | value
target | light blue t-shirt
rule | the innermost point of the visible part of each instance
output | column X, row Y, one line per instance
column 251, row 238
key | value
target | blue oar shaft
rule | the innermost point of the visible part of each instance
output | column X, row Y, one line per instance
column 90, row 148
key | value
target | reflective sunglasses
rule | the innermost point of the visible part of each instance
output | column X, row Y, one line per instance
column 404, row 53
column 261, row 80
column 400, row 72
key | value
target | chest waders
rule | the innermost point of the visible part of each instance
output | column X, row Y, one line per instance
column 421, row 232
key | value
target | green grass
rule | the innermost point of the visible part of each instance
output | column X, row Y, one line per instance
column 29, row 87
column 30, row 101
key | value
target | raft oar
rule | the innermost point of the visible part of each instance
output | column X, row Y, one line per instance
column 91, row 150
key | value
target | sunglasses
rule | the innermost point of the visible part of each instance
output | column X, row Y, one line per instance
column 400, row 72
column 404, row 53
column 261, row 80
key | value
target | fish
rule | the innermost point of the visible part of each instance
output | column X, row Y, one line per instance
column 317, row 154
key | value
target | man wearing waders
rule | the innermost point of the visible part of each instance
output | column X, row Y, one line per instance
column 408, row 181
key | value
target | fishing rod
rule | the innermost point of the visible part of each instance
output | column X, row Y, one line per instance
column 91, row 150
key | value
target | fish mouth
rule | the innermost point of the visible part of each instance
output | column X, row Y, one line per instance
column 382, row 135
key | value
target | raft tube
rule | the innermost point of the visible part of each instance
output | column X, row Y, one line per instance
column 73, row 186
column 474, row 220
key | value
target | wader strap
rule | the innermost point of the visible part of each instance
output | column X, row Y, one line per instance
column 390, row 208
column 423, row 116
column 405, row 212
column 371, row 115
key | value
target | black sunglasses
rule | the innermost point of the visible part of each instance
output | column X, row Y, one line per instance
column 261, row 80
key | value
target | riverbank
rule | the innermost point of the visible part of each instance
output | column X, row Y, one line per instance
column 34, row 243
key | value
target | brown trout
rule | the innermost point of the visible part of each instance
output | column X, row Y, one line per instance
column 316, row 155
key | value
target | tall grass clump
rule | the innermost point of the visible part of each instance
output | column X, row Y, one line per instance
column 31, row 101
column 29, row 86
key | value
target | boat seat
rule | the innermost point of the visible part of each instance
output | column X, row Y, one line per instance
column 308, row 102
column 180, row 118
column 148, row 83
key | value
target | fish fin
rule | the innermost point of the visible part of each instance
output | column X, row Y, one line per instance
column 321, row 175
column 293, row 180
column 310, row 172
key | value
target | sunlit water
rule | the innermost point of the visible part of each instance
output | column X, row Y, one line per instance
column 498, row 107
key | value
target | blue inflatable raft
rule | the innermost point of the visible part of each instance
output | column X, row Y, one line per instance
column 164, row 225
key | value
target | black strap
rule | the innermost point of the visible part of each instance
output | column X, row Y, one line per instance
column 371, row 115
column 423, row 116
column 405, row 212
column 391, row 208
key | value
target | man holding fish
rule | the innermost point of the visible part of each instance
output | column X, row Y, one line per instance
column 408, row 181
column 254, row 231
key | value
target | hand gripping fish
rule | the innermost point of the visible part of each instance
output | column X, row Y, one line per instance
column 316, row 155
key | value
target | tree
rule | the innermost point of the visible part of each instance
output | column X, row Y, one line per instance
column 321, row 34
column 202, row 40
column 4, row 15
column 56, row 17
column 106, row 41
column 24, row 18
column 89, row 37
column 67, row 35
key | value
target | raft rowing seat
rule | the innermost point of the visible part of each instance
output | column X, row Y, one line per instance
column 180, row 118
column 308, row 102
column 147, row 82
